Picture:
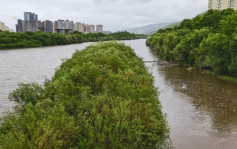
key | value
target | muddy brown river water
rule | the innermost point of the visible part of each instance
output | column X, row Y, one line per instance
column 201, row 110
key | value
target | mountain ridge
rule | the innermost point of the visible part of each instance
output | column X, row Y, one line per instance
column 147, row 29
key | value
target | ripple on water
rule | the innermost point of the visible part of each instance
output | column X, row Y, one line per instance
column 200, row 109
column 29, row 65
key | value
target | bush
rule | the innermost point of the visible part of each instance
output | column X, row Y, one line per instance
column 37, row 39
column 207, row 41
column 103, row 97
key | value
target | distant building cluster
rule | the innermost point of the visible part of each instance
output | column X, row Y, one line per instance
column 3, row 27
column 63, row 26
column 222, row 4
column 32, row 24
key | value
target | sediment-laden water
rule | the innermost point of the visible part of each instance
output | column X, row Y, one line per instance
column 201, row 110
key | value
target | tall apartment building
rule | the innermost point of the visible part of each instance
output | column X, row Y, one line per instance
column 78, row 26
column 30, row 23
column 63, row 26
column 222, row 4
column 30, row 16
column 99, row 28
column 86, row 28
column 47, row 26
column 20, row 27
column 92, row 28
column 3, row 27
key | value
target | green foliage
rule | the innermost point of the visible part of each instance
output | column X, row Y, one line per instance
column 9, row 40
column 27, row 93
column 208, row 41
column 38, row 128
column 103, row 97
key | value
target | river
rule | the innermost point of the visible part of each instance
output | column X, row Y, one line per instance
column 201, row 110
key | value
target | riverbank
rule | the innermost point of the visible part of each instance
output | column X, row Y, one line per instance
column 200, row 108
column 205, row 42
column 226, row 78
column 9, row 40
column 208, row 72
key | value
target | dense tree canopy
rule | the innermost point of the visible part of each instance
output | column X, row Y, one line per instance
column 103, row 97
column 9, row 40
column 208, row 41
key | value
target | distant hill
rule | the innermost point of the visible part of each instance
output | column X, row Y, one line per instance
column 148, row 28
column 167, row 26
column 172, row 25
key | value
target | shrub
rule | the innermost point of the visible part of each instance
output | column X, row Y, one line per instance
column 103, row 97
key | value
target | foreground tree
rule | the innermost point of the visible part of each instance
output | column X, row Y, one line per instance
column 103, row 97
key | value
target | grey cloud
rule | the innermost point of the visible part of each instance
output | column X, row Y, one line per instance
column 114, row 14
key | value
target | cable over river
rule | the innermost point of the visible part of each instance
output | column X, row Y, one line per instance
column 201, row 110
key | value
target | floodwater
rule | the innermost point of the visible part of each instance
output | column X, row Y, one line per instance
column 201, row 110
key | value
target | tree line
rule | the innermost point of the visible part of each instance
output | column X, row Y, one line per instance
column 10, row 40
column 103, row 97
column 207, row 42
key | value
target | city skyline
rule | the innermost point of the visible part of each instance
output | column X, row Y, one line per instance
column 32, row 24
column 113, row 14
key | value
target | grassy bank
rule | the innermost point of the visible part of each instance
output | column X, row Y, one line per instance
column 9, row 40
column 103, row 97
column 206, row 42
column 228, row 78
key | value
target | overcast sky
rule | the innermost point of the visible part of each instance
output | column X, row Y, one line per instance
column 113, row 14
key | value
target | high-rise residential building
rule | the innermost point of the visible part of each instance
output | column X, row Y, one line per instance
column 58, row 26
column 86, row 28
column 99, row 28
column 3, row 27
column 78, row 26
column 53, row 28
column 222, row 4
column 28, row 16
column 62, row 26
column 48, row 26
column 81, row 27
column 30, row 23
column 41, row 26
column 92, row 28
column 20, row 27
